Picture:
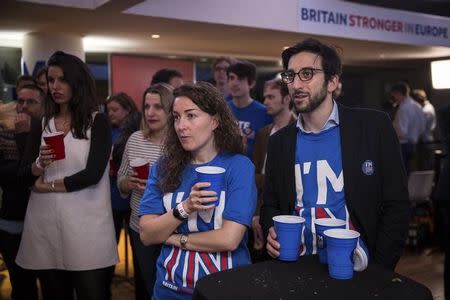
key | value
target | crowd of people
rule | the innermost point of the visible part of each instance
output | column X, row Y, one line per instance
column 61, row 219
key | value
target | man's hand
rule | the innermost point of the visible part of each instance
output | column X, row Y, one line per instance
column 272, row 245
column 258, row 242
column 22, row 123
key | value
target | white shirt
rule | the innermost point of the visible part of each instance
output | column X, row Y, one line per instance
column 430, row 121
column 409, row 121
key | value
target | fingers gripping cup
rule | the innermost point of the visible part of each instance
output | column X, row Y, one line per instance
column 140, row 166
column 288, row 229
column 213, row 175
column 340, row 246
column 322, row 225
column 56, row 141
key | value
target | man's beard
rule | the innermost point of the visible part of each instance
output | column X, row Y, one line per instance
column 314, row 102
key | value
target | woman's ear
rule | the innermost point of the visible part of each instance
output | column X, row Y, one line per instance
column 215, row 122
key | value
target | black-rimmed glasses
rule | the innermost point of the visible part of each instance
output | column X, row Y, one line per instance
column 304, row 74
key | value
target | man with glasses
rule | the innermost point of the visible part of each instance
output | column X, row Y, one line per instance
column 220, row 77
column 334, row 162
column 14, row 199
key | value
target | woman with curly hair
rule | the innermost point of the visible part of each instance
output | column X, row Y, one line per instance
column 198, row 239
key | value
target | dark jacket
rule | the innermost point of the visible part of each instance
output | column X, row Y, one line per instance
column 442, row 192
column 378, row 204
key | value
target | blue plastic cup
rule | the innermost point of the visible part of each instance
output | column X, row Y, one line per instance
column 289, row 230
column 322, row 225
column 215, row 176
column 340, row 246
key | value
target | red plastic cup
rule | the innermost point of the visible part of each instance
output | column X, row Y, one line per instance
column 56, row 141
column 141, row 167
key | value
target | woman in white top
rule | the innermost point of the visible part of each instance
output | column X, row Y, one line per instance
column 68, row 232
column 146, row 143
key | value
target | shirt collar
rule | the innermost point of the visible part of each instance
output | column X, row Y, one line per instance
column 333, row 120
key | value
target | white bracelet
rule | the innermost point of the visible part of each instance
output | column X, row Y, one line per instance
column 38, row 164
column 181, row 210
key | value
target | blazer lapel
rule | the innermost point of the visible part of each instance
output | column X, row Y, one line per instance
column 350, row 137
column 290, row 158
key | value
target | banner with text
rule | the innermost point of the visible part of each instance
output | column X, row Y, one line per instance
column 364, row 22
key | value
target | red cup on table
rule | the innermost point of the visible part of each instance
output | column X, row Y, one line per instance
column 56, row 141
column 141, row 167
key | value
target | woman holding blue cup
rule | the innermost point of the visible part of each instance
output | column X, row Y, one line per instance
column 198, row 238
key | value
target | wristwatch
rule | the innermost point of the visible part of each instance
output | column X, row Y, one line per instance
column 180, row 213
column 183, row 240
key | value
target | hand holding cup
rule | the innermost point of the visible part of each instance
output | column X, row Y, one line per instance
column 56, row 142
column 215, row 177
column 136, row 183
column 199, row 198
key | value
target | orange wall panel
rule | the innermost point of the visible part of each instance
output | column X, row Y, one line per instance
column 132, row 74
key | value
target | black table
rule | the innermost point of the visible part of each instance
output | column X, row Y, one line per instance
column 306, row 279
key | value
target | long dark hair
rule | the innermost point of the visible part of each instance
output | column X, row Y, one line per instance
column 83, row 102
column 227, row 136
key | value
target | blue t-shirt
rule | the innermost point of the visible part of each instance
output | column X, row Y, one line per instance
column 319, row 181
column 178, row 270
column 117, row 202
column 251, row 119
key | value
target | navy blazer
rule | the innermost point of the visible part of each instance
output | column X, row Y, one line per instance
column 378, row 204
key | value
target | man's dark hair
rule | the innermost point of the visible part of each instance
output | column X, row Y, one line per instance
column 400, row 87
column 331, row 62
column 36, row 88
column 220, row 59
column 165, row 75
column 243, row 70
column 24, row 78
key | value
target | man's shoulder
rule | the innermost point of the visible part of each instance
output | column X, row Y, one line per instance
column 257, row 105
column 284, row 132
column 362, row 114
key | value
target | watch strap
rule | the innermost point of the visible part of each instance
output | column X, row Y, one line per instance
column 181, row 210
column 176, row 214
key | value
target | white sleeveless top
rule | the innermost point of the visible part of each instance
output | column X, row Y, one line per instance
column 69, row 231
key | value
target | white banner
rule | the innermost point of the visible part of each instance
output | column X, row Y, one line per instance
column 363, row 22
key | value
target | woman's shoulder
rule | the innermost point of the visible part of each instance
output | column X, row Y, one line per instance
column 136, row 136
column 236, row 159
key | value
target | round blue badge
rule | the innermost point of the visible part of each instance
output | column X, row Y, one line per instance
column 368, row 167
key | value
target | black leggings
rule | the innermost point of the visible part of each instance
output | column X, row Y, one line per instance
column 88, row 285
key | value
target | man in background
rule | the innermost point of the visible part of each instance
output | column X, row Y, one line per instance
column 278, row 105
column 30, row 108
column 409, row 122
column 220, row 77
column 251, row 114
column 169, row 76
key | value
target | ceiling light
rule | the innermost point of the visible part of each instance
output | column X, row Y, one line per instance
column 439, row 74
column 11, row 38
column 155, row 36
column 97, row 43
